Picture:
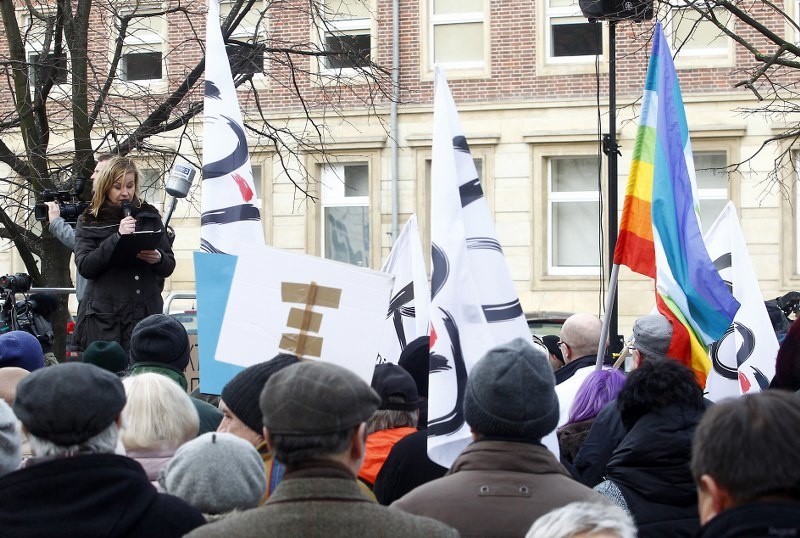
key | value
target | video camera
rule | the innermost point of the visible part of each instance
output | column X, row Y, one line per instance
column 69, row 203
column 18, row 283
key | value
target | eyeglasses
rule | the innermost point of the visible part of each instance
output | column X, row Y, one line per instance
column 563, row 343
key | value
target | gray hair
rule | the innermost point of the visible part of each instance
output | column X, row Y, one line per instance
column 386, row 419
column 583, row 518
column 295, row 449
column 104, row 442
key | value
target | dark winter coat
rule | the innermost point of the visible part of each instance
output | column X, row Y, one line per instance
column 322, row 500
column 407, row 467
column 755, row 520
column 91, row 496
column 117, row 296
column 571, row 437
column 605, row 434
column 651, row 468
column 497, row 488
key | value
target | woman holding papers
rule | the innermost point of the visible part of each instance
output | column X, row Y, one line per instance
column 122, row 249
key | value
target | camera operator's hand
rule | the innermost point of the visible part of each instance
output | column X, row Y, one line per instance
column 53, row 211
column 127, row 226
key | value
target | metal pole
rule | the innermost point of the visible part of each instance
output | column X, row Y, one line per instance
column 393, row 121
column 611, row 149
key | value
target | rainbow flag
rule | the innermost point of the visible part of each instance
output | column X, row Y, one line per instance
column 660, row 227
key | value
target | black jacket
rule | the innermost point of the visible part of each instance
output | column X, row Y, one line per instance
column 406, row 467
column 117, row 296
column 607, row 431
column 755, row 520
column 96, row 495
column 651, row 468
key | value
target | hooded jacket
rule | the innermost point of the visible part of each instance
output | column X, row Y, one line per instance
column 94, row 495
column 117, row 295
column 651, row 469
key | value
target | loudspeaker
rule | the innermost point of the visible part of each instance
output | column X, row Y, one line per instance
column 617, row 10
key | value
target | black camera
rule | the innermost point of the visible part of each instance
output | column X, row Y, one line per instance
column 69, row 203
column 18, row 283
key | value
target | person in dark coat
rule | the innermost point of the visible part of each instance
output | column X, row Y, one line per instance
column 746, row 463
column 408, row 464
column 506, row 479
column 119, row 293
column 314, row 416
column 648, row 474
column 160, row 345
column 75, row 485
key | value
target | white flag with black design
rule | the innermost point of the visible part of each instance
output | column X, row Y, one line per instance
column 474, row 305
column 743, row 360
column 229, row 217
column 407, row 317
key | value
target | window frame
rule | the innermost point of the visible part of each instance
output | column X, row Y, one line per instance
column 246, row 33
column 34, row 46
column 332, row 195
column 573, row 15
column 455, row 70
column 687, row 58
column 148, row 41
column 330, row 25
column 551, row 199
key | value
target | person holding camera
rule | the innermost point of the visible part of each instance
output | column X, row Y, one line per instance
column 120, row 292
column 64, row 232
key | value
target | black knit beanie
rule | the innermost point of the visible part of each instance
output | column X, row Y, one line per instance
column 241, row 393
column 160, row 338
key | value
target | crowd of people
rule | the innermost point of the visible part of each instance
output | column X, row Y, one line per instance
column 114, row 445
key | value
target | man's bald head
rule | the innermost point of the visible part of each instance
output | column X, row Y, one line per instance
column 580, row 336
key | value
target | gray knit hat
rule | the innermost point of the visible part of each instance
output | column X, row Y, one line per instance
column 241, row 393
column 10, row 440
column 316, row 398
column 652, row 335
column 216, row 473
column 511, row 393
column 160, row 338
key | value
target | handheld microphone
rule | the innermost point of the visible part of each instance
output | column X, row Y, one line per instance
column 127, row 207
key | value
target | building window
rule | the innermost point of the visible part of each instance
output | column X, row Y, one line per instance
column 457, row 32
column 693, row 35
column 345, row 213
column 142, row 50
column 39, row 36
column 151, row 187
column 712, row 185
column 245, row 44
column 573, row 215
column 346, row 34
column 570, row 36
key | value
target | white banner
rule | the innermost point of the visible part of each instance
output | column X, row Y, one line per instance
column 743, row 360
column 229, row 217
column 474, row 305
column 315, row 308
column 407, row 317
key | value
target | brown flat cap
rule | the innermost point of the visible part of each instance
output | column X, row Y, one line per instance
column 316, row 398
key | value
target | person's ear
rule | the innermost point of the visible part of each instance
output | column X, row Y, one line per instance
column 358, row 443
column 711, row 498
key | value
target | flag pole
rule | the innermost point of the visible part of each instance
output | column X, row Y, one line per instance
column 610, row 296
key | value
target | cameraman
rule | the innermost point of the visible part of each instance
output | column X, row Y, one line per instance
column 65, row 233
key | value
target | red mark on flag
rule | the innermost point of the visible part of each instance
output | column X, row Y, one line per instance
column 244, row 188
column 744, row 382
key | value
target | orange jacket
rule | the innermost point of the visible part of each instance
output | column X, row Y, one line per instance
column 379, row 444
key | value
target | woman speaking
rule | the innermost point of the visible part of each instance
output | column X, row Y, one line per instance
column 122, row 289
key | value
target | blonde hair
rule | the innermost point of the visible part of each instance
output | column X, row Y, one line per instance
column 158, row 414
column 116, row 170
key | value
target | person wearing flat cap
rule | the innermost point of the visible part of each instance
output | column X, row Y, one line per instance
column 395, row 418
column 160, row 344
column 315, row 416
column 505, row 479
column 75, row 485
